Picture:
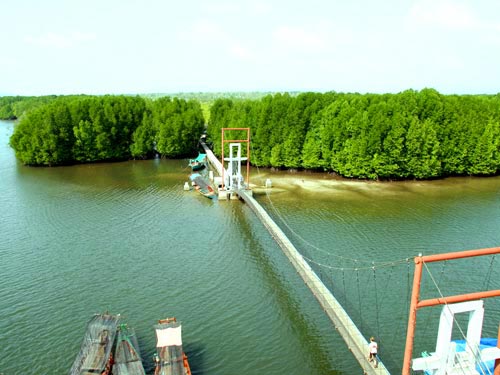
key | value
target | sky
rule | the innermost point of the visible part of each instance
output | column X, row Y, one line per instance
column 162, row 46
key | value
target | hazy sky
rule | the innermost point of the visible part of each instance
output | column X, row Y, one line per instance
column 152, row 46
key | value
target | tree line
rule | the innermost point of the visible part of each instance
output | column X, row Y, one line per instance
column 79, row 129
column 412, row 134
column 13, row 107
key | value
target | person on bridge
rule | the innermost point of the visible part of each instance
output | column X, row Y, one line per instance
column 373, row 350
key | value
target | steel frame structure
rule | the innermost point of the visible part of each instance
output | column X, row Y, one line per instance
column 415, row 303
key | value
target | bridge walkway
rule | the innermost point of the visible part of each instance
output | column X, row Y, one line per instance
column 352, row 336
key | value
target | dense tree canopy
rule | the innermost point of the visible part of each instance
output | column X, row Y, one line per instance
column 13, row 107
column 407, row 135
column 412, row 134
column 88, row 129
column 170, row 127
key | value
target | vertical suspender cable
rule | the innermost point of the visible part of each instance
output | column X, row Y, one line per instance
column 376, row 302
column 359, row 300
column 343, row 284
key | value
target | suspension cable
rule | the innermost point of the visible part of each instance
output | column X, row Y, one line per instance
column 429, row 316
column 487, row 278
column 277, row 212
column 280, row 216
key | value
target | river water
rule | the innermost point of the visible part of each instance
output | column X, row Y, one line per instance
column 126, row 238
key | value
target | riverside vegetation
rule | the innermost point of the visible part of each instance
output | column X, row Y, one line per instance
column 406, row 135
column 412, row 134
column 88, row 129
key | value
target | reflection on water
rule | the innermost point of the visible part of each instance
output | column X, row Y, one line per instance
column 125, row 237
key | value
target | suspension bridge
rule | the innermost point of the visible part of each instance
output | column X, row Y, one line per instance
column 232, row 186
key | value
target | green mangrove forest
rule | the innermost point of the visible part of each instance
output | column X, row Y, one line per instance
column 408, row 135
column 84, row 129
column 371, row 136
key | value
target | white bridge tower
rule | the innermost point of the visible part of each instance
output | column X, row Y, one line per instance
column 232, row 179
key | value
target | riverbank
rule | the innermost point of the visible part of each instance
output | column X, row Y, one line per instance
column 326, row 183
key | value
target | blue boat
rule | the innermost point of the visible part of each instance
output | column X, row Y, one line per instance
column 199, row 162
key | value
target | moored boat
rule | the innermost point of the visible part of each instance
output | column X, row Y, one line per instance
column 202, row 185
column 127, row 359
column 198, row 163
column 95, row 356
column 170, row 358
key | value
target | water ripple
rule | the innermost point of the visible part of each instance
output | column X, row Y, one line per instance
column 127, row 238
